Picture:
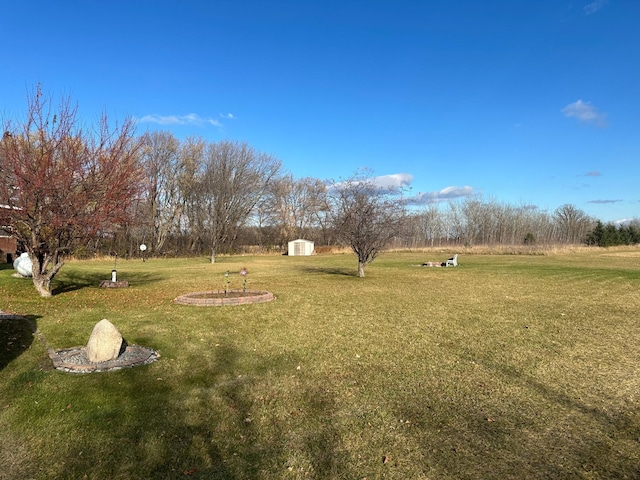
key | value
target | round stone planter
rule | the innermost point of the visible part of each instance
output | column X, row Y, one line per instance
column 217, row 298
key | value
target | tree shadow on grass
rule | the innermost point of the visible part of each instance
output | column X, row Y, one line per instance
column 593, row 448
column 16, row 336
column 71, row 282
column 347, row 272
column 229, row 414
column 198, row 417
column 323, row 444
column 552, row 435
column 137, row 423
column 274, row 443
column 193, row 417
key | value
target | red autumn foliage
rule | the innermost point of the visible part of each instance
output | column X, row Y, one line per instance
column 60, row 183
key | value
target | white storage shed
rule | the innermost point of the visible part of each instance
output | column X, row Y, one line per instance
column 301, row 247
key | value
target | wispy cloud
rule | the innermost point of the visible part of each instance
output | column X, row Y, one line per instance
column 592, row 173
column 585, row 112
column 228, row 116
column 394, row 181
column 448, row 193
column 594, row 6
column 189, row 119
column 604, row 201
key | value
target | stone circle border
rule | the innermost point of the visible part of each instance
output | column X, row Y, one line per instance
column 248, row 297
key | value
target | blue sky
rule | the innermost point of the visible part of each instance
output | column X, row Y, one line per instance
column 527, row 103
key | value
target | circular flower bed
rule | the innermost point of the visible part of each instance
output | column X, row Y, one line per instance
column 220, row 297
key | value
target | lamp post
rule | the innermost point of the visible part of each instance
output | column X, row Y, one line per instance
column 143, row 247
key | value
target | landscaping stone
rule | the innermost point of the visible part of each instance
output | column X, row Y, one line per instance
column 74, row 360
column 105, row 342
column 23, row 265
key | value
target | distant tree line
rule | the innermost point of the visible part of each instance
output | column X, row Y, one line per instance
column 209, row 198
column 68, row 190
column 223, row 197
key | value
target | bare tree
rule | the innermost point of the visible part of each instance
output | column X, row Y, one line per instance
column 189, row 179
column 280, row 207
column 365, row 217
column 62, row 184
column 161, row 159
column 573, row 224
column 234, row 179
column 292, row 206
column 455, row 222
column 431, row 225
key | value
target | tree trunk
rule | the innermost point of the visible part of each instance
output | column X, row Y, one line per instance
column 213, row 256
column 361, row 266
column 42, row 283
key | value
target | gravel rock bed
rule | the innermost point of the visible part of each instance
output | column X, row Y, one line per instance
column 74, row 360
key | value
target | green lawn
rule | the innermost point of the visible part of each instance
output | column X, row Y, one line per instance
column 508, row 366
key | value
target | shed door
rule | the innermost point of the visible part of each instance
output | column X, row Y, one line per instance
column 298, row 248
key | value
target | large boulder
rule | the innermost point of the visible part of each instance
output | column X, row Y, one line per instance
column 23, row 265
column 105, row 342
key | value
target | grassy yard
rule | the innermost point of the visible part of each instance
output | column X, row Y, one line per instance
column 508, row 366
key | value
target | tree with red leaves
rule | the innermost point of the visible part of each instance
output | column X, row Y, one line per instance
column 61, row 184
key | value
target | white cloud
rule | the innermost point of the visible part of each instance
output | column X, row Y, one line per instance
column 189, row 119
column 594, row 6
column 228, row 116
column 394, row 181
column 592, row 173
column 585, row 112
column 447, row 193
